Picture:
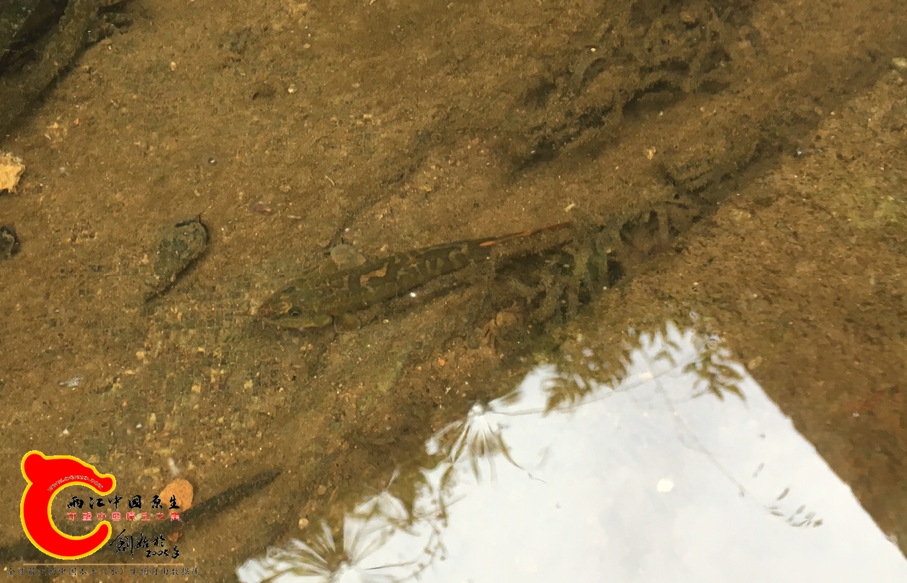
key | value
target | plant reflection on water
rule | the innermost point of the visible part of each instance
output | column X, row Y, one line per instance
column 606, row 467
column 478, row 437
column 367, row 529
column 461, row 446
column 467, row 452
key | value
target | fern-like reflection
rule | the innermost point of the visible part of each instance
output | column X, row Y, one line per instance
column 573, row 478
column 355, row 555
column 475, row 441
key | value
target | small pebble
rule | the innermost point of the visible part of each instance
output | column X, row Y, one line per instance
column 182, row 490
column 9, row 242
column 346, row 256
column 178, row 248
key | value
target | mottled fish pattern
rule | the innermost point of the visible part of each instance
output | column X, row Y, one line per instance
column 315, row 299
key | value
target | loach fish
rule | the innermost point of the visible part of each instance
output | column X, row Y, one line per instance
column 315, row 299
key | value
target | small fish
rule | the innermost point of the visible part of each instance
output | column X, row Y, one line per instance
column 315, row 299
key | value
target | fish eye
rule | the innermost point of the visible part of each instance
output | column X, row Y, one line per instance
column 294, row 312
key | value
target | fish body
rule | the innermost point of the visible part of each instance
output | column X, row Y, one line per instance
column 316, row 298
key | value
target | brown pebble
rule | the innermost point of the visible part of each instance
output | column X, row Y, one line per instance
column 183, row 491
column 9, row 242
column 178, row 248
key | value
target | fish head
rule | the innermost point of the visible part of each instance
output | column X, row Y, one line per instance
column 284, row 309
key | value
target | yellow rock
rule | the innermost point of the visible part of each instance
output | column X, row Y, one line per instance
column 11, row 169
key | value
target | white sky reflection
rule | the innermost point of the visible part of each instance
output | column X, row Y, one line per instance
column 642, row 483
